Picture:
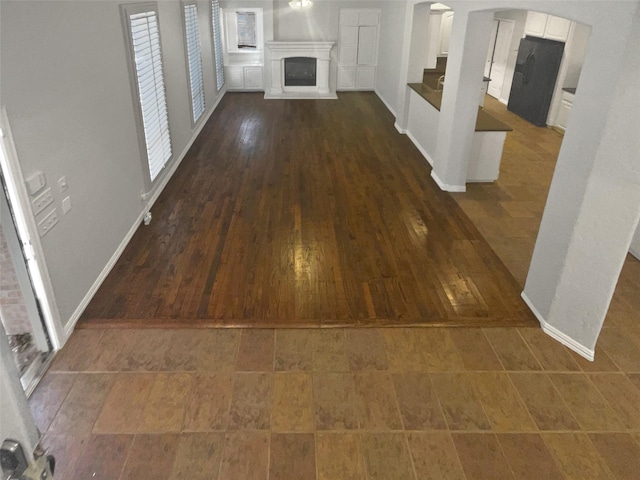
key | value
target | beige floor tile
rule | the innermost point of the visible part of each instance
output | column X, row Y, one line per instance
column 164, row 411
column 330, row 350
column 511, row 349
column 103, row 457
column 151, row 457
column 481, row 456
column 635, row 379
column 577, row 456
column 474, row 349
column 529, row 457
column 386, row 456
column 502, row 403
column 586, row 403
column 123, row 409
column 621, row 347
column 601, row 362
column 48, row 396
column 256, row 350
column 339, row 457
column 552, row 355
column 209, row 400
column 294, row 350
column 292, row 405
column 79, row 352
column 83, row 403
column 159, row 350
column 439, row 349
column 113, row 352
column 251, row 401
column 622, row 395
column 435, row 456
column 217, row 350
column 245, row 455
column 366, row 349
column 335, row 401
column 620, row 452
column 67, row 449
column 198, row 456
column 418, row 402
column 376, row 401
column 405, row 352
column 292, row 455
column 460, row 403
column 543, row 401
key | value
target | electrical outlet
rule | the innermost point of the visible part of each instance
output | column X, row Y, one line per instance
column 42, row 201
column 48, row 222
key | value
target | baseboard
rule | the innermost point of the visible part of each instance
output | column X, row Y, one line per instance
column 445, row 186
column 419, row 147
column 386, row 104
column 73, row 320
column 401, row 130
column 556, row 334
column 504, row 102
column 635, row 253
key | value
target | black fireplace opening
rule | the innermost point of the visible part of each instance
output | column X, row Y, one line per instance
column 300, row 72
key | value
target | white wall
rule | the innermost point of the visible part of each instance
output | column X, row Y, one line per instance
column 66, row 87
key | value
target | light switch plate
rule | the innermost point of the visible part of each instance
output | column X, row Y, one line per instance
column 36, row 182
column 66, row 205
column 42, row 201
column 48, row 222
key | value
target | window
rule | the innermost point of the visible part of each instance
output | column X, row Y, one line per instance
column 217, row 43
column 146, row 60
column 246, row 23
column 194, row 61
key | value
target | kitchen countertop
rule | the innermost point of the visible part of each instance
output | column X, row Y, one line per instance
column 484, row 122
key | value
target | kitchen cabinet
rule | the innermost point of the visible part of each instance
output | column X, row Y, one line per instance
column 445, row 32
column 547, row 26
column 565, row 110
column 244, row 77
column 358, row 48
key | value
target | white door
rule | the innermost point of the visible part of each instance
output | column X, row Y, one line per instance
column 500, row 56
column 492, row 46
column 367, row 42
column 445, row 32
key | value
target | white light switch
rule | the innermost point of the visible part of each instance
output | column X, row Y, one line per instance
column 66, row 205
column 36, row 182
column 62, row 184
column 42, row 201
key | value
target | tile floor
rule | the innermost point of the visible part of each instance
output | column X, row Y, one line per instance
column 341, row 404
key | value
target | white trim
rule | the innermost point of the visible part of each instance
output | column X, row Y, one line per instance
column 635, row 252
column 556, row 334
column 29, row 236
column 153, row 196
column 419, row 147
column 386, row 104
column 445, row 186
column 503, row 101
column 399, row 128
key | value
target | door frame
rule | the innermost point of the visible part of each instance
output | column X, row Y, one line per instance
column 27, row 229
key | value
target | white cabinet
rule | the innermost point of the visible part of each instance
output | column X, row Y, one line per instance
column 547, row 26
column 565, row 110
column 244, row 77
column 358, row 48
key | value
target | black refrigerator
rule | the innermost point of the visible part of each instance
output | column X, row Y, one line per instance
column 534, row 78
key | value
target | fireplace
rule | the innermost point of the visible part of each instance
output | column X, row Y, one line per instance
column 299, row 72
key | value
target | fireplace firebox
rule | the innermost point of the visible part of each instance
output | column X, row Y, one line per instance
column 300, row 72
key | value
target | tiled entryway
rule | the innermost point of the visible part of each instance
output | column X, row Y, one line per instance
column 396, row 403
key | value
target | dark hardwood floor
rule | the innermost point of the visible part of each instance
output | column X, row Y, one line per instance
column 306, row 213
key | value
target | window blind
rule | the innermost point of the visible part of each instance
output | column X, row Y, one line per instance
column 145, row 40
column 217, row 43
column 194, row 60
column 246, row 22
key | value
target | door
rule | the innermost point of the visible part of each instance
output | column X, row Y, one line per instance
column 358, row 49
column 500, row 56
column 19, row 311
column 367, row 42
column 492, row 46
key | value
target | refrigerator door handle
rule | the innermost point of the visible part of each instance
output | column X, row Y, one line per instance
column 528, row 68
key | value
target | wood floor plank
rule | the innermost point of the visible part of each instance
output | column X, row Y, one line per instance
column 306, row 213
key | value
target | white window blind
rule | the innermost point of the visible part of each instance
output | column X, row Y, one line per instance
column 217, row 43
column 145, row 40
column 246, row 23
column 194, row 60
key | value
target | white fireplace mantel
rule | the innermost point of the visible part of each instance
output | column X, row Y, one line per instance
column 321, row 51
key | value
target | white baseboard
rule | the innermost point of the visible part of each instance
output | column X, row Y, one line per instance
column 386, row 104
column 635, row 253
column 419, row 147
column 73, row 320
column 401, row 130
column 503, row 101
column 556, row 334
column 445, row 186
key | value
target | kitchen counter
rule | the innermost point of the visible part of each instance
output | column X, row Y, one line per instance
column 484, row 122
